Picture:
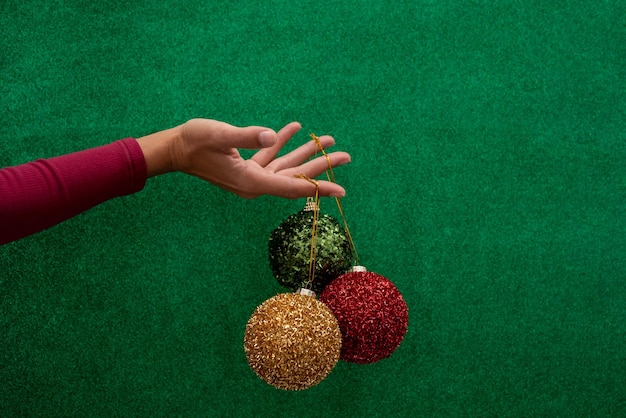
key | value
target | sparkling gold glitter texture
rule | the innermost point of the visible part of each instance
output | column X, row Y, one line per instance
column 290, row 251
column 292, row 341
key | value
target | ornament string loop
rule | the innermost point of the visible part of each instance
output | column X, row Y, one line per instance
column 330, row 175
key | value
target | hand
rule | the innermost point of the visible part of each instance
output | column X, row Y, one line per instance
column 208, row 149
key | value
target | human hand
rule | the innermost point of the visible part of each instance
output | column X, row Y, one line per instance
column 208, row 149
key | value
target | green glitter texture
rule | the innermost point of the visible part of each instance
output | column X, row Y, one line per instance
column 290, row 251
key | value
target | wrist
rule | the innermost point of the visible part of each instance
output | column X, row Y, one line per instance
column 158, row 150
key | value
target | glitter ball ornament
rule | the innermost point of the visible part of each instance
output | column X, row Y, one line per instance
column 372, row 315
column 292, row 341
column 290, row 251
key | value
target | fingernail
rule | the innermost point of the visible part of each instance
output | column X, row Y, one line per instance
column 267, row 138
column 338, row 194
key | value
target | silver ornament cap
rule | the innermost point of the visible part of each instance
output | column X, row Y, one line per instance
column 305, row 292
column 311, row 205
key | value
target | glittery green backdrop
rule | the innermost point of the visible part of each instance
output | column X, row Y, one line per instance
column 487, row 181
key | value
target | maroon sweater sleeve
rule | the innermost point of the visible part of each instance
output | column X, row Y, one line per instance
column 40, row 194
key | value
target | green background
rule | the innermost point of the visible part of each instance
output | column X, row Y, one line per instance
column 487, row 181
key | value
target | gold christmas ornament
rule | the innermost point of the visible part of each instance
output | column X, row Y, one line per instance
column 292, row 341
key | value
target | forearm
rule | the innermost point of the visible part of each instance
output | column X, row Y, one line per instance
column 40, row 194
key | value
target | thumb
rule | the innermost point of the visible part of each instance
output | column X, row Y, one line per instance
column 252, row 137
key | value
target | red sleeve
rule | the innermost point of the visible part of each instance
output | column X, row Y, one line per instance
column 40, row 194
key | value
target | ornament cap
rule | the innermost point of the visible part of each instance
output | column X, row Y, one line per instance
column 311, row 205
column 358, row 269
column 305, row 292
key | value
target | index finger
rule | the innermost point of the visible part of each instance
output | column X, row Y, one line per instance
column 267, row 155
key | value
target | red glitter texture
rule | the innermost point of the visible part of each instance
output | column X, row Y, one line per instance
column 372, row 315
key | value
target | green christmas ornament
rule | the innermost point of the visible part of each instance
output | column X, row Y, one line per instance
column 290, row 250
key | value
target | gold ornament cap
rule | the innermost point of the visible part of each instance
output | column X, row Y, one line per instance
column 358, row 269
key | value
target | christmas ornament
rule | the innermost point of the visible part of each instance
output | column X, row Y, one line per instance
column 291, row 252
column 292, row 341
column 372, row 315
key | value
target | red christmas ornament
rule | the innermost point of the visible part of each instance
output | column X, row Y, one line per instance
column 372, row 315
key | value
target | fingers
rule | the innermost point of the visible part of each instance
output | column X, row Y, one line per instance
column 318, row 165
column 302, row 188
column 289, row 130
column 293, row 188
column 301, row 154
column 289, row 183
column 265, row 156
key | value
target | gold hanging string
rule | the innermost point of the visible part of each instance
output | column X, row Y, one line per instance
column 330, row 175
column 316, row 211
